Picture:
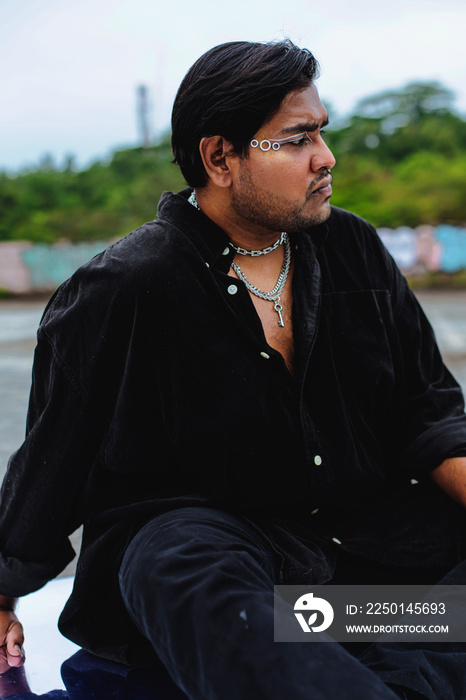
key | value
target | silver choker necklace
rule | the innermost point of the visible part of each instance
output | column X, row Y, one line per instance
column 275, row 293
column 264, row 251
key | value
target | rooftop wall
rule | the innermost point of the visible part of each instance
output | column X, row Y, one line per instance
column 28, row 268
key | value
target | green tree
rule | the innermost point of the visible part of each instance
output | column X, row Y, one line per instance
column 400, row 158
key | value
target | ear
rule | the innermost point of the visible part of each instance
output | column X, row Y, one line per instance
column 215, row 153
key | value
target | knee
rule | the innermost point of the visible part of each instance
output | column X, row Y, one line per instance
column 193, row 544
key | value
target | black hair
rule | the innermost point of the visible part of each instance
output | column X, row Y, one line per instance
column 231, row 91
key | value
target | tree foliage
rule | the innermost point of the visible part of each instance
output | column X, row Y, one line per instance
column 401, row 160
column 107, row 200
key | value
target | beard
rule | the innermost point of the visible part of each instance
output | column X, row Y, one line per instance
column 276, row 213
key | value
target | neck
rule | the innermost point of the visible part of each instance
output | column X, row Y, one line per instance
column 241, row 233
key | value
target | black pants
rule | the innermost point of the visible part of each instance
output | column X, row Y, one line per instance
column 199, row 583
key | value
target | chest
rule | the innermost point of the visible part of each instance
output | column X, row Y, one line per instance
column 277, row 321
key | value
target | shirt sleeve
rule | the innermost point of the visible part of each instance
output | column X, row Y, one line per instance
column 432, row 404
column 42, row 491
column 43, row 496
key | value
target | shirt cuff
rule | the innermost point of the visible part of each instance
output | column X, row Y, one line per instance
column 442, row 441
column 18, row 578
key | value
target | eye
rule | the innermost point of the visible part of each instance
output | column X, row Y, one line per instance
column 300, row 140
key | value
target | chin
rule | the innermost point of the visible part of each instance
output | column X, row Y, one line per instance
column 323, row 213
column 314, row 218
column 327, row 210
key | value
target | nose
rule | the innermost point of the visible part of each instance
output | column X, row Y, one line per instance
column 322, row 157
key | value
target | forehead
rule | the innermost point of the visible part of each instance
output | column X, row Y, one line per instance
column 299, row 107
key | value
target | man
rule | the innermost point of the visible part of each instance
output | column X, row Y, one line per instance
column 238, row 395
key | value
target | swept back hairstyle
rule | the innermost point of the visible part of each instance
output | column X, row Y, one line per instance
column 231, row 91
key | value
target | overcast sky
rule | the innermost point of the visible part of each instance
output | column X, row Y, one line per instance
column 69, row 71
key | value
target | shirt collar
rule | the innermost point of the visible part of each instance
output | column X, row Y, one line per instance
column 206, row 236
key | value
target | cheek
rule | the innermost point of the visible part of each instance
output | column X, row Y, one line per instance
column 278, row 171
column 292, row 165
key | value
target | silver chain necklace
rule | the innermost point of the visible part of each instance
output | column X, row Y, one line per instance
column 275, row 293
column 264, row 251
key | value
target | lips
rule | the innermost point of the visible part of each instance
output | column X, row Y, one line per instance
column 324, row 189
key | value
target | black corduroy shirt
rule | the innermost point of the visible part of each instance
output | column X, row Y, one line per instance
column 154, row 388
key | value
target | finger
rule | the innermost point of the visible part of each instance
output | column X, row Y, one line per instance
column 15, row 639
column 16, row 661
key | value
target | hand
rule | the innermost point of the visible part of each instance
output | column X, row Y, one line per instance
column 11, row 641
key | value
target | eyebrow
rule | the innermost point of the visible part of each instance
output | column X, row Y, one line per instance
column 307, row 126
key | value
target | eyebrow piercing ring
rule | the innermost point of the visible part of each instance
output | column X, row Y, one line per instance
column 265, row 145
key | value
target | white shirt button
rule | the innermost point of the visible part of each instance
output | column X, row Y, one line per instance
column 232, row 289
column 265, row 355
column 226, row 251
column 317, row 460
column 336, row 540
column 313, row 512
